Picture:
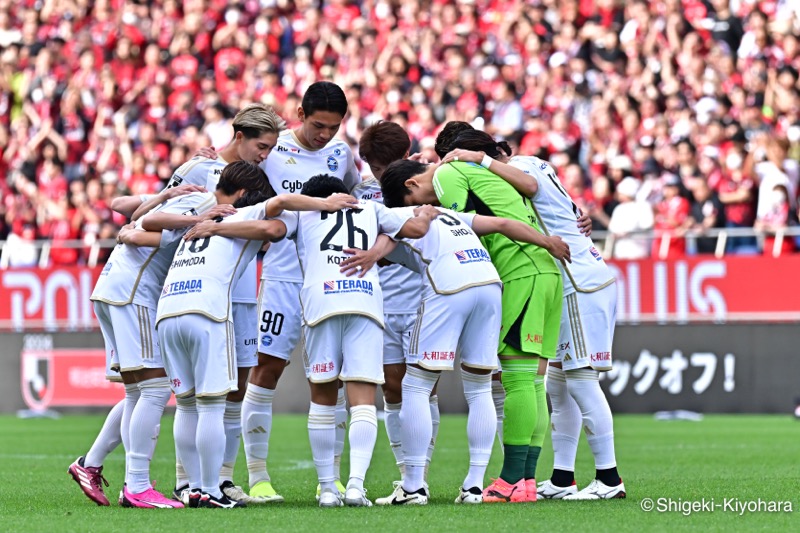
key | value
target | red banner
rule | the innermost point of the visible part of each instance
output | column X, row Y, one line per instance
column 701, row 288
column 708, row 289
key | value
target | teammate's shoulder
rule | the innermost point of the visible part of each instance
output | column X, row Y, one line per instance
column 196, row 161
column 365, row 186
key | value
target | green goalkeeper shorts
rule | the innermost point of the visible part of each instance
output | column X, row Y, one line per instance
column 531, row 316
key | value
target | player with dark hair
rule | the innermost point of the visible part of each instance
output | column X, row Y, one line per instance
column 381, row 144
column 445, row 138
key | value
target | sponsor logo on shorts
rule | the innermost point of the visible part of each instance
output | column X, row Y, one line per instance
column 601, row 356
column 473, row 255
column 182, row 287
column 106, row 269
column 176, row 383
column 333, row 164
column 321, row 368
column 250, row 342
column 342, row 286
column 266, row 340
column 595, row 253
column 438, row 356
column 563, row 346
column 536, row 339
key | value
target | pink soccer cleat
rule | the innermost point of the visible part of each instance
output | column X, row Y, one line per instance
column 89, row 479
column 149, row 499
column 530, row 490
column 502, row 491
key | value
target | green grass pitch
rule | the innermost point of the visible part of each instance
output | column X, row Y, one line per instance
column 745, row 458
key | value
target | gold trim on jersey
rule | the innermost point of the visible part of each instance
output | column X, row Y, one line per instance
column 451, row 367
column 191, row 312
column 456, row 291
column 301, row 144
column 231, row 350
column 344, row 313
column 413, row 346
column 364, row 184
column 132, row 369
column 135, row 283
column 564, row 263
column 214, row 394
column 363, row 380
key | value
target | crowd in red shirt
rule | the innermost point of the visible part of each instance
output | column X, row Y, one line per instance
column 107, row 97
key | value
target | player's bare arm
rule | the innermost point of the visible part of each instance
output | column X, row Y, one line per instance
column 417, row 227
column 525, row 184
column 134, row 237
column 160, row 221
column 517, row 231
column 206, row 151
column 163, row 196
column 253, row 230
column 360, row 261
column 299, row 202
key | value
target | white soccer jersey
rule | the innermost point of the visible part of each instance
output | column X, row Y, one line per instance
column 557, row 216
column 205, row 172
column 450, row 254
column 203, row 271
column 289, row 166
column 320, row 238
column 401, row 287
column 135, row 274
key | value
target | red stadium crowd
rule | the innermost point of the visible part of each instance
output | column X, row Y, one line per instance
column 697, row 102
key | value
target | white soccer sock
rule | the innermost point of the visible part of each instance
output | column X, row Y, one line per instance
column 256, row 427
column 433, row 404
column 565, row 421
column 341, row 431
column 210, row 441
column 110, row 437
column 233, row 436
column 481, row 425
column 131, row 397
column 362, row 436
column 499, row 399
column 322, row 435
column 145, row 426
column 584, row 387
column 417, row 429
column 184, row 431
column 393, row 430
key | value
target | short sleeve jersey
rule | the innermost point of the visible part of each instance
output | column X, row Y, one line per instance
column 401, row 287
column 320, row 238
column 205, row 172
column 203, row 272
column 289, row 165
column 450, row 254
column 558, row 215
column 135, row 274
column 468, row 187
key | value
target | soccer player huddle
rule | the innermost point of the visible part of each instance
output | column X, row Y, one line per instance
column 484, row 263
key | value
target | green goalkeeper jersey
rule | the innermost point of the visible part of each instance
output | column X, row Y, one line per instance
column 470, row 188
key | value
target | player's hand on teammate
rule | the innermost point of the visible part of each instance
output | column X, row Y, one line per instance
column 200, row 230
column 337, row 201
column 558, row 248
column 359, row 262
column 206, row 151
column 219, row 211
column 180, row 190
column 585, row 224
column 419, row 158
column 463, row 155
column 124, row 231
column 426, row 211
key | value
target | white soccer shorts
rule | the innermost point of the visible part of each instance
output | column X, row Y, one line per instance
column 347, row 347
column 397, row 337
column 200, row 355
column 245, row 329
column 130, row 337
column 280, row 318
column 464, row 324
column 587, row 330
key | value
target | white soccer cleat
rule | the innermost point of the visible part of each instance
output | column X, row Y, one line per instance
column 418, row 497
column 330, row 498
column 237, row 493
column 548, row 491
column 397, row 488
column 597, row 490
column 471, row 496
column 355, row 497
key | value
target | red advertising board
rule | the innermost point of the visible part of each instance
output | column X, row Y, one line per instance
column 700, row 288
column 706, row 289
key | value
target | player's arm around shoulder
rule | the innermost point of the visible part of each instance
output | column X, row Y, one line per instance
column 517, row 231
column 299, row 202
column 417, row 226
column 524, row 183
column 132, row 236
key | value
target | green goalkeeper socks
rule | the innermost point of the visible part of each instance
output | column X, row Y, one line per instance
column 542, row 424
column 520, row 421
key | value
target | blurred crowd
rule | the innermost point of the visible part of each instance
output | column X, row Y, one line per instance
column 689, row 110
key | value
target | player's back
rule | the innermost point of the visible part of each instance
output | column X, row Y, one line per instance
column 204, row 271
column 558, row 215
column 490, row 195
column 451, row 254
column 199, row 170
column 289, row 165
